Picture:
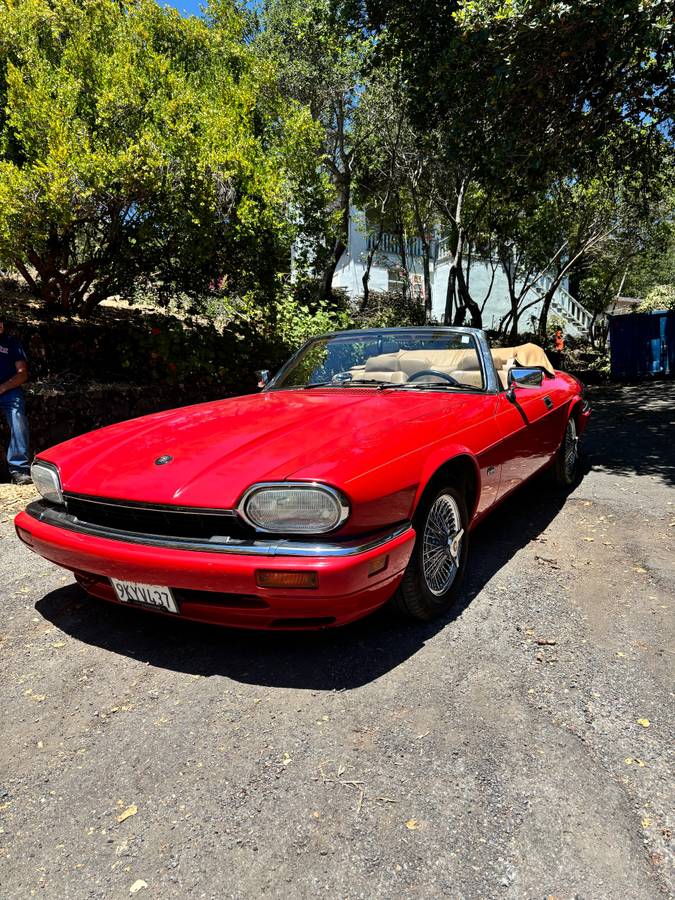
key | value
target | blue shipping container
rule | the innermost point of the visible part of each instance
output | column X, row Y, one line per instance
column 642, row 344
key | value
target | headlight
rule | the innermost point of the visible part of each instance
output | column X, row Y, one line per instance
column 294, row 508
column 46, row 479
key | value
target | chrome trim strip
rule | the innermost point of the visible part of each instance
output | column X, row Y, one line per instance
column 337, row 495
column 58, row 518
column 152, row 507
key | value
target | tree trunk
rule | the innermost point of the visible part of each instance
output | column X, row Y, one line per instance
column 27, row 277
column 342, row 238
column 339, row 248
column 427, row 279
column 467, row 300
column 546, row 306
column 591, row 330
column 366, row 275
column 505, row 322
column 400, row 233
column 450, row 295
column 514, row 314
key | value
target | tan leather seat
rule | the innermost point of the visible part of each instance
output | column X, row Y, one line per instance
column 399, row 367
column 472, row 377
column 462, row 365
column 385, row 367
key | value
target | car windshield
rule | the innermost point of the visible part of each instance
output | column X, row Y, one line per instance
column 406, row 360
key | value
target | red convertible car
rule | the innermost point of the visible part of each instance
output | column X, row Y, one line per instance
column 352, row 480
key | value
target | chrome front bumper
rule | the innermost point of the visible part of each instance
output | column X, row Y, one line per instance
column 51, row 515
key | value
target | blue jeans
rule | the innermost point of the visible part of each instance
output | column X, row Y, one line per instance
column 13, row 406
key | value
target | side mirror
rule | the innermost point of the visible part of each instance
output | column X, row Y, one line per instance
column 264, row 377
column 523, row 376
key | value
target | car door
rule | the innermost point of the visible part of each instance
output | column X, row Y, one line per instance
column 530, row 422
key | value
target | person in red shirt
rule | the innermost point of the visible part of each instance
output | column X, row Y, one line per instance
column 559, row 340
column 14, row 373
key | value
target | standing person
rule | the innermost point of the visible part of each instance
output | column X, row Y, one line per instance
column 14, row 373
column 558, row 348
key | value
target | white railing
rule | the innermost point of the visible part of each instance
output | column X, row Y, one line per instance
column 389, row 243
column 564, row 303
column 443, row 251
column 443, row 248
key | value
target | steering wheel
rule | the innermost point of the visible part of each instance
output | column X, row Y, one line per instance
column 442, row 375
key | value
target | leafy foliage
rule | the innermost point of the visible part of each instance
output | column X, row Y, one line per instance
column 321, row 61
column 140, row 146
column 530, row 88
column 656, row 264
column 660, row 297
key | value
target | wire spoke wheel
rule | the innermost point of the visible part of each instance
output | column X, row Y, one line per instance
column 441, row 544
column 430, row 585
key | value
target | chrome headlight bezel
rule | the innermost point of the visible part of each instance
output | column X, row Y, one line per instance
column 49, row 489
column 340, row 502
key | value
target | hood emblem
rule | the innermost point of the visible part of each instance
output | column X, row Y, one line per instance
column 163, row 460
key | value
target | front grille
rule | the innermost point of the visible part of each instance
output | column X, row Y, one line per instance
column 157, row 520
column 218, row 598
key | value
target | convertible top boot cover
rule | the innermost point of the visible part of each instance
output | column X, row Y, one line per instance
column 523, row 355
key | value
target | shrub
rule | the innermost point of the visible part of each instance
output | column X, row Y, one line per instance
column 662, row 296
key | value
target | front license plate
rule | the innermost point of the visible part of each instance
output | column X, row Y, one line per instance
column 151, row 595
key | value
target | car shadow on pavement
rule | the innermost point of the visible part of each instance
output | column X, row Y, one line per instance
column 632, row 431
column 338, row 659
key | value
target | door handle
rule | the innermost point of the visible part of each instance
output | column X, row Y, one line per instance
column 548, row 402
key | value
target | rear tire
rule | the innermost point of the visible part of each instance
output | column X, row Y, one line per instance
column 432, row 579
column 566, row 468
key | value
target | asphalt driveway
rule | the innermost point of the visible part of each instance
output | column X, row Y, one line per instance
column 518, row 751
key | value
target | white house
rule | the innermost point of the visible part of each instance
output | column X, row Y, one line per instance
column 488, row 283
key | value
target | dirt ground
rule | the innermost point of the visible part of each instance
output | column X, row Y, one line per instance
column 520, row 750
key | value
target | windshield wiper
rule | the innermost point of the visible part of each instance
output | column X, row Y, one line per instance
column 426, row 386
column 359, row 382
column 391, row 386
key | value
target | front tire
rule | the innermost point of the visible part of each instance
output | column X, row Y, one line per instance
column 566, row 469
column 430, row 585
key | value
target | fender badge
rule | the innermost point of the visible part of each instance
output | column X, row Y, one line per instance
column 163, row 460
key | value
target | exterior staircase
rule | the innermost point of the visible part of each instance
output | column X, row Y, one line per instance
column 564, row 304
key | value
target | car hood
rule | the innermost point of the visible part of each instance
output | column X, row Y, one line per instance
column 219, row 449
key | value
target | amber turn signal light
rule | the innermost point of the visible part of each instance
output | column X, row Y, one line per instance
column 377, row 565
column 282, row 578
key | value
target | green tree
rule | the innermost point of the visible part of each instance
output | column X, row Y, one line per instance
column 533, row 102
column 321, row 60
column 661, row 296
column 656, row 264
column 407, row 187
column 525, row 90
column 140, row 147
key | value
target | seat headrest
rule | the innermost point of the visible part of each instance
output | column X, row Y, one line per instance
column 385, row 362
